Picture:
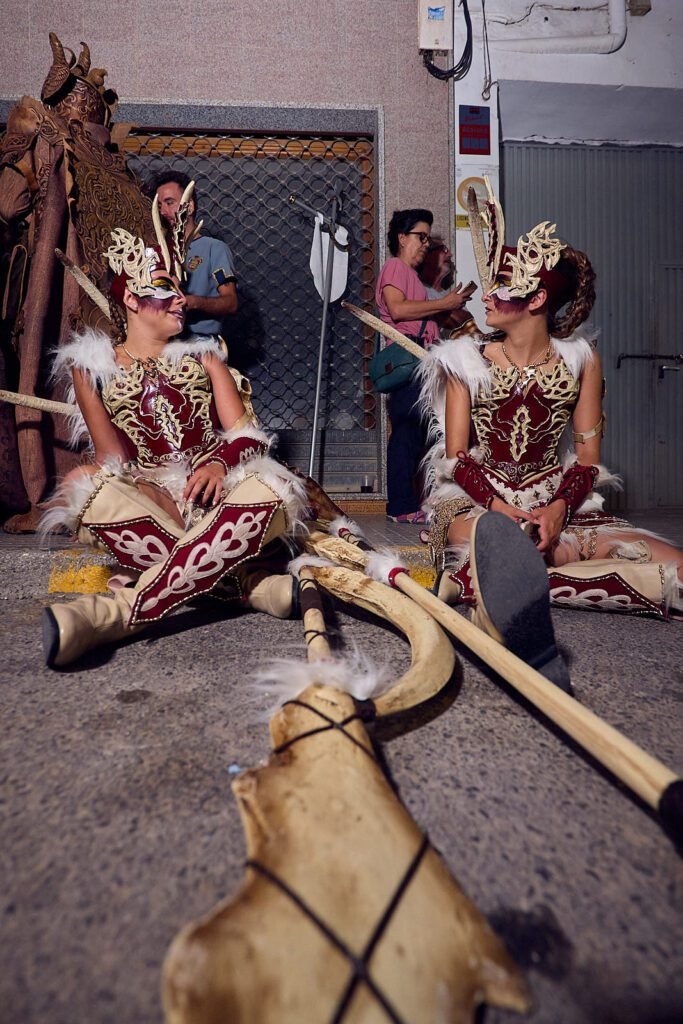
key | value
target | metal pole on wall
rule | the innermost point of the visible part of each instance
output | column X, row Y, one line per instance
column 330, row 226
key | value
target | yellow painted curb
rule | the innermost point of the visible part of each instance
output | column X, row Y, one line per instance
column 78, row 572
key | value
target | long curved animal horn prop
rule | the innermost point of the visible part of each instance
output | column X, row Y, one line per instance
column 161, row 235
column 658, row 786
column 321, row 823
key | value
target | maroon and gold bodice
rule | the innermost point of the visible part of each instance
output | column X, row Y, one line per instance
column 518, row 428
column 165, row 417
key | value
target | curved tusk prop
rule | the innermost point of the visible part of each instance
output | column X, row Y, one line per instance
column 161, row 235
column 656, row 784
column 478, row 243
column 432, row 656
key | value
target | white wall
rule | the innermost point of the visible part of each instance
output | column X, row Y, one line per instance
column 650, row 56
column 631, row 96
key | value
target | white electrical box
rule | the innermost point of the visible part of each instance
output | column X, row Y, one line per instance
column 435, row 24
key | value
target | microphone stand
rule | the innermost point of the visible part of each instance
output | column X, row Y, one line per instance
column 330, row 225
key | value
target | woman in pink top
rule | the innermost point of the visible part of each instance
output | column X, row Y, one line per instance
column 402, row 301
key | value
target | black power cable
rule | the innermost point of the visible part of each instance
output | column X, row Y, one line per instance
column 460, row 69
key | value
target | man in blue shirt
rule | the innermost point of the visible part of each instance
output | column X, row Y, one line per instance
column 211, row 286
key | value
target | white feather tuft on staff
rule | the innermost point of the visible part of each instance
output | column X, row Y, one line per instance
column 381, row 564
column 302, row 561
column 284, row 679
column 344, row 523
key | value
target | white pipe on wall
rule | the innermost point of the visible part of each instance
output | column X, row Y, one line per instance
column 616, row 10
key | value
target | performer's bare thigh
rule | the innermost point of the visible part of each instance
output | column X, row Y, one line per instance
column 460, row 529
column 162, row 499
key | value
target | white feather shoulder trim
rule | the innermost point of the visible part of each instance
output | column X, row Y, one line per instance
column 196, row 346
column 91, row 352
column 576, row 351
column 458, row 359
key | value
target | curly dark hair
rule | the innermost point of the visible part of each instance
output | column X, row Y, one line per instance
column 403, row 221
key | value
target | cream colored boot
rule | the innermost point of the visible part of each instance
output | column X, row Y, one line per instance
column 72, row 628
column 265, row 591
column 615, row 585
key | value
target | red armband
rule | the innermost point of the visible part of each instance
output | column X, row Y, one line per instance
column 473, row 480
column 231, row 453
column 576, row 484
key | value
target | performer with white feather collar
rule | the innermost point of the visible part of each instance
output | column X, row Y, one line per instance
column 180, row 489
column 502, row 407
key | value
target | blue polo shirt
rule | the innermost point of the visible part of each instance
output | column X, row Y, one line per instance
column 204, row 258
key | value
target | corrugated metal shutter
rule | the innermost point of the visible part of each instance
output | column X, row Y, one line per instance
column 621, row 205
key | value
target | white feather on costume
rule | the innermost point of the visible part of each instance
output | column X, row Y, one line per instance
column 196, row 346
column 577, row 350
column 459, row 359
column 284, row 679
column 89, row 351
column 247, row 430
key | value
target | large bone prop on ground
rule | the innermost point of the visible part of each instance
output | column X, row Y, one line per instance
column 347, row 913
column 651, row 780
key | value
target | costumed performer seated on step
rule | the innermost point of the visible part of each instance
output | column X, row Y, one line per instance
column 518, row 418
column 181, row 489
column 403, row 303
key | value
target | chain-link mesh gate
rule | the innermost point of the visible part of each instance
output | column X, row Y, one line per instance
column 243, row 184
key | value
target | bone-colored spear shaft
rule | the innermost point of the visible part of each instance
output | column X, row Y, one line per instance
column 386, row 329
column 315, row 633
column 641, row 772
column 33, row 402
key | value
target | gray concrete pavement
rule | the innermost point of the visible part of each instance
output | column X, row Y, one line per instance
column 119, row 825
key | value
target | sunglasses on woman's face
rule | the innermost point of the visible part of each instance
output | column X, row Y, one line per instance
column 424, row 238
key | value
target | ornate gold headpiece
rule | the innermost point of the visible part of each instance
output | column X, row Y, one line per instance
column 536, row 250
column 128, row 255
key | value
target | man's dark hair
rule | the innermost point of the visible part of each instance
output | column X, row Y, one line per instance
column 175, row 178
column 404, row 221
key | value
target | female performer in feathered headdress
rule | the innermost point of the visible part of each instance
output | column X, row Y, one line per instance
column 181, row 489
column 502, row 408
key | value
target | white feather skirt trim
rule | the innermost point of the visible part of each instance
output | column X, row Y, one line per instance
column 290, row 489
column 68, row 500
